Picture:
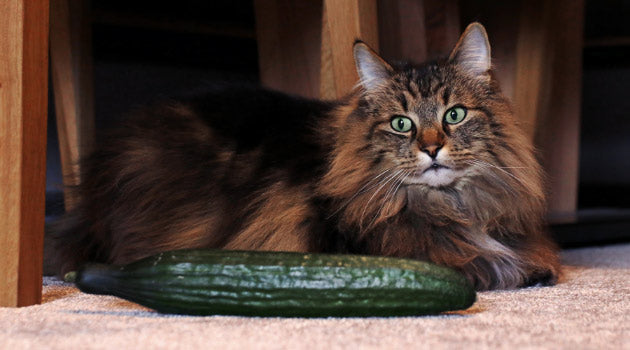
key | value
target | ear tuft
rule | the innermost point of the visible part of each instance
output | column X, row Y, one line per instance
column 472, row 51
column 373, row 70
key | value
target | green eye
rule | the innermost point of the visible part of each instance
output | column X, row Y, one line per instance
column 455, row 115
column 401, row 124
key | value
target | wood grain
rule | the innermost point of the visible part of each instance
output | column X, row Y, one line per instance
column 289, row 45
column 537, row 54
column 305, row 47
column 533, row 61
column 23, row 109
column 71, row 70
column 503, row 32
column 546, row 90
column 557, row 132
column 402, row 33
column 344, row 21
column 443, row 27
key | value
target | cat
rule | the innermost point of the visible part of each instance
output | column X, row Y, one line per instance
column 419, row 161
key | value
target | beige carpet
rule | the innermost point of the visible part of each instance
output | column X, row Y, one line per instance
column 588, row 310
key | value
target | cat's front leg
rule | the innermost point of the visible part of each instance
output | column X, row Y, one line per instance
column 541, row 278
column 543, row 265
column 535, row 266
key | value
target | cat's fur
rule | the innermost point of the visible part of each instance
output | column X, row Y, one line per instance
column 247, row 168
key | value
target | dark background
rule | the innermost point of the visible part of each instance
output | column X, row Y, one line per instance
column 147, row 49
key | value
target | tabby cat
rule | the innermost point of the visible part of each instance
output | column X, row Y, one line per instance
column 420, row 161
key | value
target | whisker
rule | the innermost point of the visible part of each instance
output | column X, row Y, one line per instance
column 383, row 184
column 489, row 166
column 501, row 169
column 396, row 184
column 510, row 167
column 362, row 190
column 403, row 178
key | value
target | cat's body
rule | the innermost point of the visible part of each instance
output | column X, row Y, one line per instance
column 391, row 170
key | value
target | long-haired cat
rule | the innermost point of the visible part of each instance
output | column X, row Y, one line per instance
column 421, row 161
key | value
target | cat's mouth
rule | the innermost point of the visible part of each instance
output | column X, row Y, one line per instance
column 435, row 166
column 435, row 175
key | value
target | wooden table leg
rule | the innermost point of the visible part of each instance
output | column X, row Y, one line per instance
column 23, row 111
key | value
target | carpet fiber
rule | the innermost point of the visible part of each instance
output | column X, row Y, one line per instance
column 587, row 310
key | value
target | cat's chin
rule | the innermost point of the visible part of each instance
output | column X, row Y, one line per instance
column 435, row 177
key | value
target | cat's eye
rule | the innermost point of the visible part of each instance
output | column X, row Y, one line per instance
column 401, row 124
column 455, row 115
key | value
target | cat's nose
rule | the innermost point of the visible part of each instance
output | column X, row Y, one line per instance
column 432, row 150
column 431, row 141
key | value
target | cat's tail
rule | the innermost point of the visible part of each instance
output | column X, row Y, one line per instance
column 68, row 244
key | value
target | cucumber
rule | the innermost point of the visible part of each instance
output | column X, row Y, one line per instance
column 254, row 283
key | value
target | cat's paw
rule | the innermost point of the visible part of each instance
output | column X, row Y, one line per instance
column 541, row 278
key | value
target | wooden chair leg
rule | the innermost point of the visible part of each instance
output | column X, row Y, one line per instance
column 23, row 110
column 71, row 70
column 557, row 127
column 402, row 30
column 443, row 26
column 289, row 45
column 418, row 30
column 343, row 22
column 538, row 61
column 305, row 47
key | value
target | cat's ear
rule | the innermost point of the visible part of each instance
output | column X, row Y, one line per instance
column 472, row 51
column 373, row 70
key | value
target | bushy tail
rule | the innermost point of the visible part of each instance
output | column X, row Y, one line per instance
column 68, row 244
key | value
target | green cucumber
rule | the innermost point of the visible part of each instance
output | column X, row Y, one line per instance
column 254, row 283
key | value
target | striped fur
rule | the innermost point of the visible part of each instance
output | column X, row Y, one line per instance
column 247, row 168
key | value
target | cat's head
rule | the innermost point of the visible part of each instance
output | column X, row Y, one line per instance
column 441, row 125
column 430, row 120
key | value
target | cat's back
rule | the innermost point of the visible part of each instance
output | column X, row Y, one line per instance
column 284, row 132
column 209, row 131
column 220, row 123
column 250, row 113
column 191, row 172
column 234, row 110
